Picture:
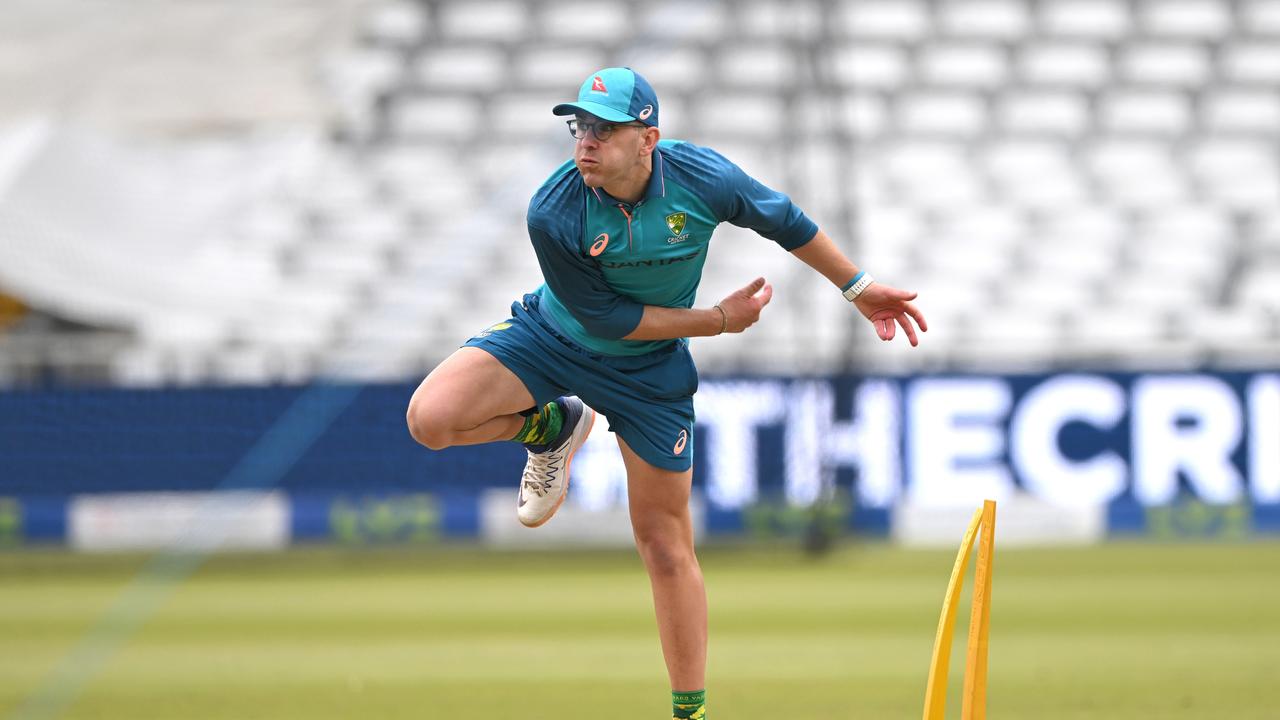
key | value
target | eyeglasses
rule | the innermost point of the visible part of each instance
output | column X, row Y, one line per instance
column 601, row 129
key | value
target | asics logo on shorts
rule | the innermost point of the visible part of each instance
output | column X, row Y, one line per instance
column 681, row 441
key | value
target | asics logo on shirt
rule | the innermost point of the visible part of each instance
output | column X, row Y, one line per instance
column 601, row 242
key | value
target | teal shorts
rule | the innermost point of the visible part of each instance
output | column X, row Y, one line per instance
column 648, row 398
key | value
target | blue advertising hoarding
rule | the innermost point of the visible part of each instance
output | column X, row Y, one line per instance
column 1167, row 454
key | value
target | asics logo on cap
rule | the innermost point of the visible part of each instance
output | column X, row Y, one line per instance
column 646, row 112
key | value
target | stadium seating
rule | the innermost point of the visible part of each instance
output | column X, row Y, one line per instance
column 1066, row 182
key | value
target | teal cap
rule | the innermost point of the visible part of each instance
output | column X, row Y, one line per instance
column 616, row 94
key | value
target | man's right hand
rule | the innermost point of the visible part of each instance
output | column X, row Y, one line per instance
column 742, row 307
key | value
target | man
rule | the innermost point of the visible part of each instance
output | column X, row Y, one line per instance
column 621, row 235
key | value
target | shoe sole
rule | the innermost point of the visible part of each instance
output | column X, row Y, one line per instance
column 568, row 464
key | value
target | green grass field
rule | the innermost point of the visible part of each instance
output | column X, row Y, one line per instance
column 1119, row 631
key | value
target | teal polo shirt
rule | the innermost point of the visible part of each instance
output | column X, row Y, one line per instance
column 603, row 260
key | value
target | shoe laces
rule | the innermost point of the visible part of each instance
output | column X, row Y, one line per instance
column 539, row 471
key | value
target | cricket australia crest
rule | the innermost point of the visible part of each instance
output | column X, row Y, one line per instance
column 675, row 221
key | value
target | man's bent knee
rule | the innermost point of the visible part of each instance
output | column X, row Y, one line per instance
column 430, row 428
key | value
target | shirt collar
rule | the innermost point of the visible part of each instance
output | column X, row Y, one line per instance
column 657, row 186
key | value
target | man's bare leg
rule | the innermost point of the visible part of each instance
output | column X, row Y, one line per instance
column 663, row 529
column 469, row 399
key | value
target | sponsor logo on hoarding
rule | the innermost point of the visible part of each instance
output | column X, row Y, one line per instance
column 385, row 520
column 10, row 522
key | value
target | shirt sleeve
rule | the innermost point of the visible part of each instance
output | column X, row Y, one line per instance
column 741, row 200
column 580, row 286
column 757, row 207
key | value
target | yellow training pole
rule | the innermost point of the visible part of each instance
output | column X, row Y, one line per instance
column 975, row 669
column 935, row 693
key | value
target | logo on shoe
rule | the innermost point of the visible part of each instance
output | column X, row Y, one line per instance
column 681, row 441
column 601, row 242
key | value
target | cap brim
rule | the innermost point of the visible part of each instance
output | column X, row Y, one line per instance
column 604, row 112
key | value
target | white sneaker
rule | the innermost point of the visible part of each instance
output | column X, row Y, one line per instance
column 545, row 482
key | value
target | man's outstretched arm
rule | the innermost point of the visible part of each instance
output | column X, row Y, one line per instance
column 883, row 305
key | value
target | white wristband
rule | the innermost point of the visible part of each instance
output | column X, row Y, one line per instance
column 860, row 283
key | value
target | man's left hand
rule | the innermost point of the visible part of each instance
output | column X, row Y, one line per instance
column 887, row 307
